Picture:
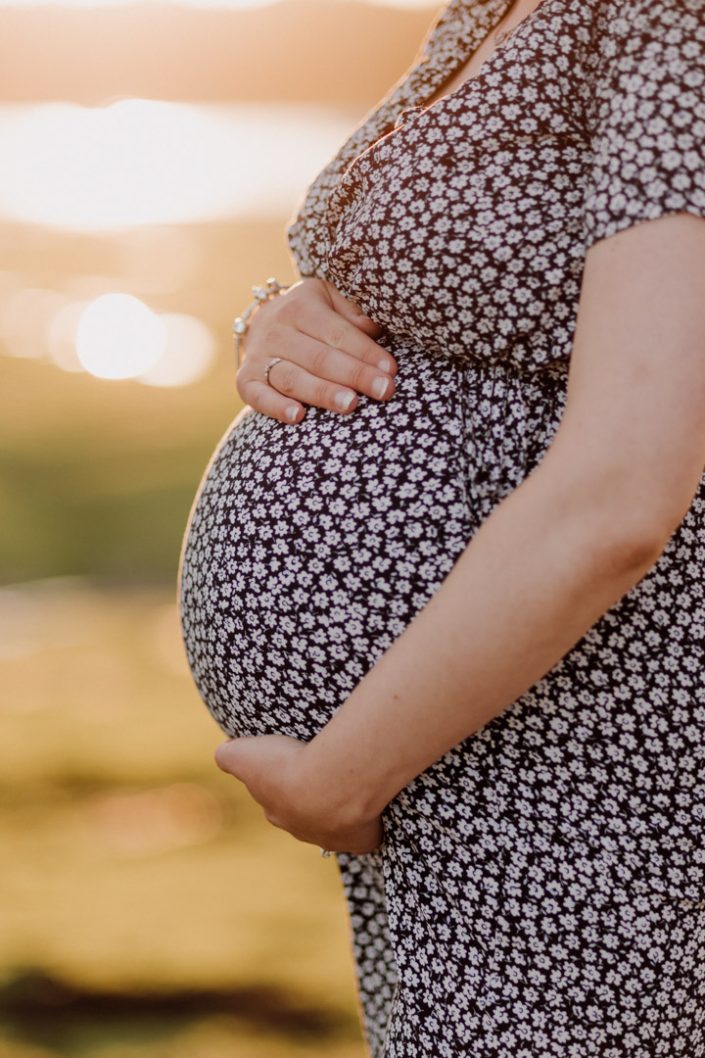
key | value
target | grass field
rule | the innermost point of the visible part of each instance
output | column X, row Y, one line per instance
column 148, row 907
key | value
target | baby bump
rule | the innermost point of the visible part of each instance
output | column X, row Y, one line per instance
column 311, row 547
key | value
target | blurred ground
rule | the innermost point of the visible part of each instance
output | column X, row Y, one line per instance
column 149, row 908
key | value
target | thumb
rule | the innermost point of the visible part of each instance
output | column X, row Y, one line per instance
column 234, row 757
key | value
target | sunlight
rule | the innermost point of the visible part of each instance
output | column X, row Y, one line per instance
column 119, row 337
column 25, row 315
column 190, row 351
column 61, row 336
column 143, row 161
column 116, row 336
column 204, row 4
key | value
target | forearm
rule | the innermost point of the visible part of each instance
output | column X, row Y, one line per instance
column 539, row 572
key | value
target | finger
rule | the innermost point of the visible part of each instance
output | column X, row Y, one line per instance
column 352, row 312
column 307, row 387
column 348, row 329
column 265, row 399
column 222, row 756
column 327, row 378
column 364, row 323
column 232, row 757
column 314, row 373
column 317, row 320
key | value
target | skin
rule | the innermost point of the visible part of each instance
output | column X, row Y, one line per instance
column 618, row 478
column 328, row 349
column 553, row 556
column 327, row 345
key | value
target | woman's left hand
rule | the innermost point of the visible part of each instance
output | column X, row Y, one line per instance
column 274, row 768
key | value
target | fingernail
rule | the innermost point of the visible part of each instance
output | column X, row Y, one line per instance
column 344, row 400
column 291, row 413
column 380, row 386
column 384, row 365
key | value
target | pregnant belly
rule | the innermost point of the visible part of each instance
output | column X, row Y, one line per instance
column 311, row 547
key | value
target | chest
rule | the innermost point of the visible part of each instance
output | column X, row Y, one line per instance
column 461, row 229
column 472, row 67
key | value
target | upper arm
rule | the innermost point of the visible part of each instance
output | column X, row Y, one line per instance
column 635, row 410
column 636, row 395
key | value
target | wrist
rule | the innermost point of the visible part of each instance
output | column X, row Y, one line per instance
column 272, row 288
column 350, row 795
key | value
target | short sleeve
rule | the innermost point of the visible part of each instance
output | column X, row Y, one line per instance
column 646, row 123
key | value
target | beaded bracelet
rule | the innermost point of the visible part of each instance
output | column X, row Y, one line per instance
column 262, row 294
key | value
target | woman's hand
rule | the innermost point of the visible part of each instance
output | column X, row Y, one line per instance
column 328, row 352
column 275, row 769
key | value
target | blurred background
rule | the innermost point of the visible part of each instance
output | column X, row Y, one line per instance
column 151, row 156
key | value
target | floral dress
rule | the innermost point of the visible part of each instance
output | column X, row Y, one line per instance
column 540, row 891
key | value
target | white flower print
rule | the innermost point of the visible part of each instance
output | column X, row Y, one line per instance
column 540, row 892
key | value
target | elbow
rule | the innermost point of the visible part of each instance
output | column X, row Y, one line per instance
column 632, row 550
column 626, row 522
column 628, row 500
column 637, row 532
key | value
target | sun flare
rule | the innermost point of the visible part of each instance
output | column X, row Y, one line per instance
column 118, row 336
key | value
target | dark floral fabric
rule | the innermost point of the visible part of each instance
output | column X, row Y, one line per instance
column 540, row 892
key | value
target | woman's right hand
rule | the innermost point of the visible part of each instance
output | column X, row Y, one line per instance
column 328, row 353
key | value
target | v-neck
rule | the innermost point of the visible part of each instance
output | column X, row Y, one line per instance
column 457, row 35
column 474, row 29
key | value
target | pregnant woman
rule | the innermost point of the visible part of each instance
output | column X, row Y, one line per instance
column 456, row 632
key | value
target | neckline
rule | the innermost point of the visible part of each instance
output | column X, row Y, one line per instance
column 457, row 36
column 471, row 37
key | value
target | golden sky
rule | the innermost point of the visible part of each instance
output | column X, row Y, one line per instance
column 157, row 117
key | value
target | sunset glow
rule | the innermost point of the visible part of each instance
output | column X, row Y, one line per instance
column 189, row 353
column 119, row 337
column 135, row 3
column 143, row 161
column 203, row 4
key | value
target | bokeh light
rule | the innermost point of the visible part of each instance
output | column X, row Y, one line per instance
column 134, row 3
column 203, row 4
column 153, row 156
column 25, row 316
column 190, row 350
column 61, row 336
column 118, row 336
column 149, row 161
column 159, row 258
